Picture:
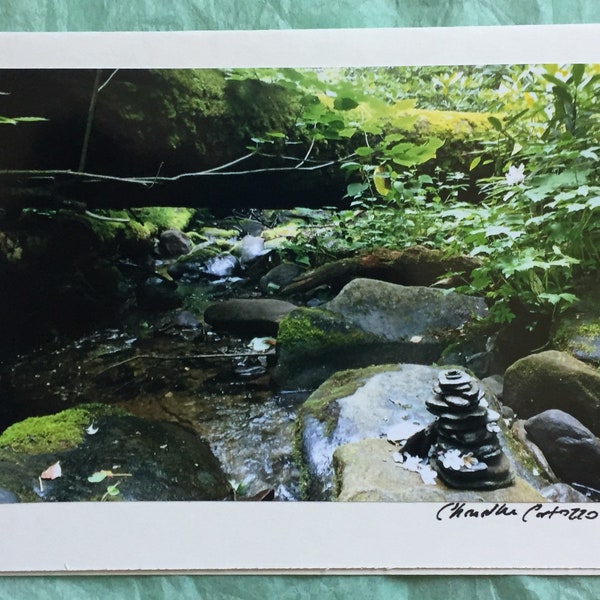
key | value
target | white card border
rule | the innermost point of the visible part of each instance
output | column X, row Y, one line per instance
column 329, row 538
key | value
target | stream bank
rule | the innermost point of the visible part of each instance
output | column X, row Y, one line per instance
column 199, row 335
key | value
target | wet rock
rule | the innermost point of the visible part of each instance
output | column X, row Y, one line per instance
column 7, row 497
column 554, row 380
column 250, row 226
column 156, row 293
column 370, row 322
column 192, row 267
column 249, row 248
column 259, row 317
column 397, row 312
column 571, row 449
column 366, row 471
column 495, row 384
column 313, row 344
column 562, row 492
column 366, row 403
column 150, row 461
column 279, row 277
column 173, row 243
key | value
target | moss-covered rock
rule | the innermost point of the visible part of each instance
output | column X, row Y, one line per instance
column 554, row 380
column 370, row 322
column 53, row 433
column 314, row 343
column 146, row 460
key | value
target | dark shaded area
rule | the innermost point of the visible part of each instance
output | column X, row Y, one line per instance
column 151, row 123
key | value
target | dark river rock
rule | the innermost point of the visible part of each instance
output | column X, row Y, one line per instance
column 149, row 460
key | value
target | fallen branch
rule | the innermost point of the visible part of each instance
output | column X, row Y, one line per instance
column 150, row 181
column 183, row 357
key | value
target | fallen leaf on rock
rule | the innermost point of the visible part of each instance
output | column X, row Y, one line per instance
column 262, row 344
column 416, row 465
column 402, row 431
column 99, row 476
column 52, row 472
column 91, row 430
column 428, row 475
column 397, row 457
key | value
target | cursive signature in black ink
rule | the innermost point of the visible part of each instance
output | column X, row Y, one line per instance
column 456, row 510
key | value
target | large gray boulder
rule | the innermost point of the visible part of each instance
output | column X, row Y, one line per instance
column 550, row 380
column 384, row 401
column 572, row 450
column 370, row 322
column 399, row 313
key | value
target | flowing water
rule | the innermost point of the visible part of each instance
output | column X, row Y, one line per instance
column 214, row 385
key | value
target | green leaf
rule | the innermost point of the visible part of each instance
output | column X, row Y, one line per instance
column 356, row 189
column 344, row 103
column 555, row 80
column 364, row 151
column 474, row 162
column 496, row 123
column 15, row 120
column 393, row 137
column 556, row 298
column 347, row 132
column 113, row 490
column 99, row 476
column 577, row 73
column 593, row 202
column 276, row 134
column 371, row 129
column 516, row 149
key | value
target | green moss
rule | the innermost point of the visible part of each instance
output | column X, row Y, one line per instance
column 522, row 455
column 575, row 336
column 199, row 116
column 52, row 433
column 312, row 329
column 449, row 125
column 219, row 233
column 300, row 462
column 164, row 217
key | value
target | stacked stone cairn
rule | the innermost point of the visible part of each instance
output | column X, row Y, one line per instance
column 466, row 452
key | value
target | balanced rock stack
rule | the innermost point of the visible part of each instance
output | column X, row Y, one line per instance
column 466, row 453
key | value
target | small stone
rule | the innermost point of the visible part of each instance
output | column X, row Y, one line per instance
column 453, row 378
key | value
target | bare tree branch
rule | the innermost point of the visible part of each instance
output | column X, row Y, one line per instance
column 149, row 181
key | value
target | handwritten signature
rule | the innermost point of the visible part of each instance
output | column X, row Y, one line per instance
column 460, row 510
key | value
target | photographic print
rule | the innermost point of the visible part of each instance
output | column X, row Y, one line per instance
column 302, row 285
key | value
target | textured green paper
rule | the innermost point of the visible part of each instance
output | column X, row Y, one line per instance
column 153, row 15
